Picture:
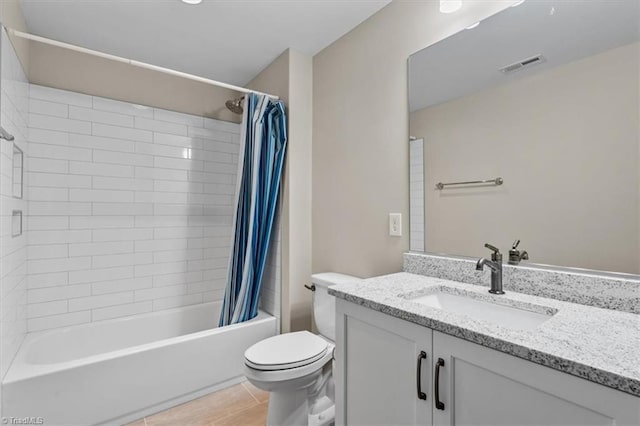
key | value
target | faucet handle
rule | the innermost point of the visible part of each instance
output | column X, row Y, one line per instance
column 496, row 255
column 490, row 247
column 515, row 255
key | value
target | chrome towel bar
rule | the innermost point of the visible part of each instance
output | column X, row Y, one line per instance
column 497, row 181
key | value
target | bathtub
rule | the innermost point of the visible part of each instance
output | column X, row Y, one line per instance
column 115, row 371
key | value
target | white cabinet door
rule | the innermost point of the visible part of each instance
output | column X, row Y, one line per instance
column 481, row 386
column 377, row 362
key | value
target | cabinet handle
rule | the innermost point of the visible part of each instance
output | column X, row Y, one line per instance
column 439, row 404
column 422, row 355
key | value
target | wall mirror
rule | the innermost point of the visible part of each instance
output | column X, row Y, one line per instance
column 544, row 96
column 17, row 176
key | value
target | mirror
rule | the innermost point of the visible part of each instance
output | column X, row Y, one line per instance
column 18, row 162
column 541, row 101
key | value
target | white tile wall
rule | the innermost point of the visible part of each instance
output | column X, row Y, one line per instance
column 416, row 195
column 14, row 104
column 130, row 208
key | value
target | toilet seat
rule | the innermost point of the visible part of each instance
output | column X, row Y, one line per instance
column 286, row 351
column 278, row 378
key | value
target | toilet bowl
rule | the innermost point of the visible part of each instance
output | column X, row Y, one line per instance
column 296, row 368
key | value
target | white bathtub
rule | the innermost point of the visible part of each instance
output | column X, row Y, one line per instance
column 115, row 371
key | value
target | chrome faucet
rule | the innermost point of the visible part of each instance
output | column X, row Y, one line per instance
column 495, row 264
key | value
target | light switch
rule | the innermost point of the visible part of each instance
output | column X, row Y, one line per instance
column 395, row 224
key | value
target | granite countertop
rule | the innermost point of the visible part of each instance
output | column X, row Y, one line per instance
column 599, row 345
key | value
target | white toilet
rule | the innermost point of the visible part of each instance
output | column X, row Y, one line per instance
column 297, row 367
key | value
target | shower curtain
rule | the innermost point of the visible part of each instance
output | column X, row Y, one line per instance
column 263, row 143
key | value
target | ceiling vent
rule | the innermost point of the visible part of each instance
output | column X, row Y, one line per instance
column 525, row 63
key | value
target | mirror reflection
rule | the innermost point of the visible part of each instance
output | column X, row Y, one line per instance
column 541, row 111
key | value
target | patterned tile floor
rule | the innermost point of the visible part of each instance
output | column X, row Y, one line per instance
column 239, row 405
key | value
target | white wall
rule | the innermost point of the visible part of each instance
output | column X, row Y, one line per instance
column 416, row 194
column 566, row 142
column 13, row 250
column 11, row 17
column 360, row 133
column 130, row 208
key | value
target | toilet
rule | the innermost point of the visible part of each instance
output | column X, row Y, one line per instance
column 296, row 368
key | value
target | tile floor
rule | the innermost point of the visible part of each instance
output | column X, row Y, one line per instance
column 239, row 405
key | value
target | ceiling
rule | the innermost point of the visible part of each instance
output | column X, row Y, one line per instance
column 225, row 40
column 562, row 31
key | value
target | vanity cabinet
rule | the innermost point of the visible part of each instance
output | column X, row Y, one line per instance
column 482, row 386
column 380, row 365
column 378, row 359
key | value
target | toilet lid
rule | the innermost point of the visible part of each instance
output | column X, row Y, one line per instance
column 286, row 351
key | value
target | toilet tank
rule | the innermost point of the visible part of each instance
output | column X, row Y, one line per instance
column 324, row 305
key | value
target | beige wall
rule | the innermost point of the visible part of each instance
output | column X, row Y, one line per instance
column 80, row 72
column 565, row 141
column 290, row 77
column 274, row 78
column 297, row 236
column 360, row 134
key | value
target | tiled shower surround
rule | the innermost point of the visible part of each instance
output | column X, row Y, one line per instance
column 13, row 249
column 129, row 208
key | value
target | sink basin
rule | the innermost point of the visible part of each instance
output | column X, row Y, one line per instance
column 505, row 316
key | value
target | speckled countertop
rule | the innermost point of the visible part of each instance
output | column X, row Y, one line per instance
column 599, row 345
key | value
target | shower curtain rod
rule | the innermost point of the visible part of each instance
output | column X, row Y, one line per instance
column 135, row 63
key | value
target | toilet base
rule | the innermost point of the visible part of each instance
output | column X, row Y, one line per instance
column 301, row 401
column 292, row 409
column 288, row 408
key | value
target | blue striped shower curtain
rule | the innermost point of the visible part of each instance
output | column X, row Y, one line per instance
column 263, row 143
